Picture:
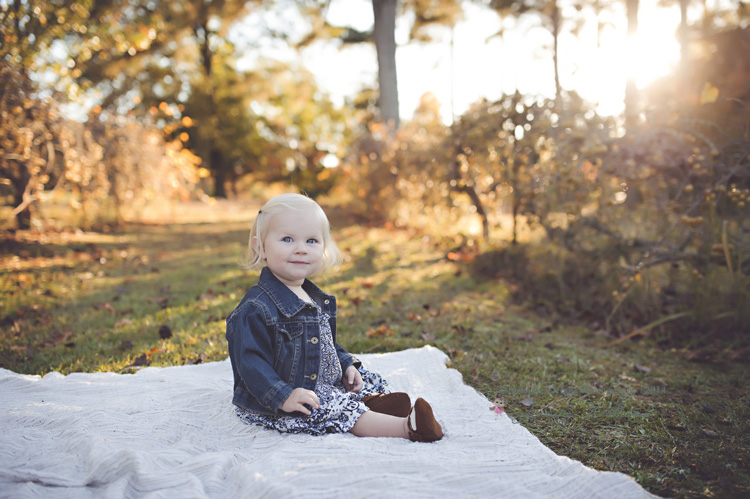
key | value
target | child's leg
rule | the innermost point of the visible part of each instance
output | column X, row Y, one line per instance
column 375, row 424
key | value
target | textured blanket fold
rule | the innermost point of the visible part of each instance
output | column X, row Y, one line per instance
column 172, row 432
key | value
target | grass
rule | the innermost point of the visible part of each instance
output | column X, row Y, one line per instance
column 158, row 295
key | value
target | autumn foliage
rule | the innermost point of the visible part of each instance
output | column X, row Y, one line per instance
column 634, row 230
column 105, row 171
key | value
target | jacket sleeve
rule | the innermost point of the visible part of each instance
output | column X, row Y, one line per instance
column 252, row 348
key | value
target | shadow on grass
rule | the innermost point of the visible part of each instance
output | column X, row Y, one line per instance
column 97, row 301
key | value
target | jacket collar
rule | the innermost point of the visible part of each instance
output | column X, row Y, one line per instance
column 285, row 300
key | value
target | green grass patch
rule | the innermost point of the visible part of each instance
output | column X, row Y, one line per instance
column 158, row 295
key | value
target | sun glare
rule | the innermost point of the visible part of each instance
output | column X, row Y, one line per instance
column 478, row 65
column 652, row 53
column 655, row 49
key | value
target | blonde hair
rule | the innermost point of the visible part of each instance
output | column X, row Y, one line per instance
column 280, row 204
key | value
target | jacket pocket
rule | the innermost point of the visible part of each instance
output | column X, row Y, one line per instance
column 288, row 350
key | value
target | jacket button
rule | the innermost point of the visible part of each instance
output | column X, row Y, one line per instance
column 327, row 302
column 314, row 340
column 313, row 376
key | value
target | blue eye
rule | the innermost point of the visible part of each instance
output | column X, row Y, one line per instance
column 287, row 239
column 312, row 240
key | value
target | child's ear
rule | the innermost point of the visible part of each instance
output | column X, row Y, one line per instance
column 256, row 245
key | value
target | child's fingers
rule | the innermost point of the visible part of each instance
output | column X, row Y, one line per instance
column 311, row 399
column 300, row 400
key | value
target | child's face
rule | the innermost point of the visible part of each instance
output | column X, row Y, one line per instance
column 293, row 246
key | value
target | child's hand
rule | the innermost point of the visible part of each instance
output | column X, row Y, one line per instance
column 297, row 400
column 352, row 380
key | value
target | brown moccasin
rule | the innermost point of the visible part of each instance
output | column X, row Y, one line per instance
column 423, row 427
column 396, row 404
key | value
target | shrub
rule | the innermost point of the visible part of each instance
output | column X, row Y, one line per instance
column 639, row 229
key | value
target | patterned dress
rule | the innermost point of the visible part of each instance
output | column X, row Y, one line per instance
column 338, row 410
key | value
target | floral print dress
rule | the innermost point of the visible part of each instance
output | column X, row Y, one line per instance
column 339, row 410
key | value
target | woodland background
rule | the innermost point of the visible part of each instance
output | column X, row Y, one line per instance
column 633, row 227
column 653, row 202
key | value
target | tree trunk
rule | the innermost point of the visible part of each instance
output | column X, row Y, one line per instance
column 219, row 173
column 556, row 21
column 212, row 157
column 631, row 91
column 23, row 217
column 682, row 37
column 385, row 44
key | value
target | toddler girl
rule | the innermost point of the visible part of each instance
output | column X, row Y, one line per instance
column 289, row 372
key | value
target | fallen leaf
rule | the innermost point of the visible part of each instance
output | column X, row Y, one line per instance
column 165, row 332
column 702, row 355
column 58, row 337
column 162, row 301
column 152, row 351
column 106, row 306
column 741, row 355
column 710, row 433
column 527, row 402
column 200, row 359
column 642, row 369
column 382, row 330
column 141, row 360
column 452, row 353
column 367, row 284
column 463, row 254
column 415, row 317
column 427, row 336
column 524, row 337
column 123, row 322
column 452, row 256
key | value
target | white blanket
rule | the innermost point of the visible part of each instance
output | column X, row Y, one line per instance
column 172, row 432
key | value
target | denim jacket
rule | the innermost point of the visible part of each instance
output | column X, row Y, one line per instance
column 274, row 343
